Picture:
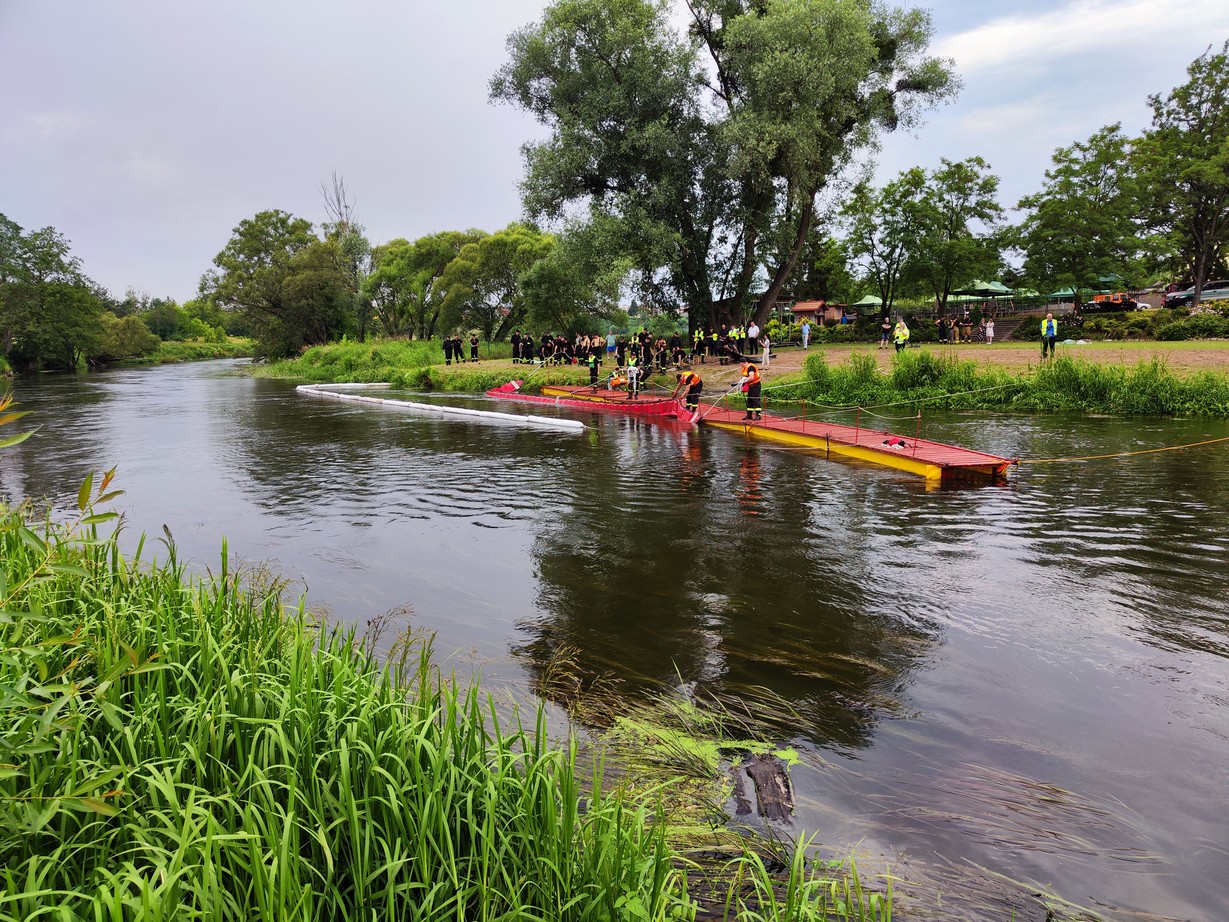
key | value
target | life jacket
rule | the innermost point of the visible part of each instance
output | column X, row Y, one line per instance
column 1052, row 326
column 689, row 379
column 752, row 374
column 618, row 381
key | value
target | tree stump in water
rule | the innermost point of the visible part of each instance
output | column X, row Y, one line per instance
column 774, row 795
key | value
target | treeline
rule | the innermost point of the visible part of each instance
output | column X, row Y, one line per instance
column 52, row 316
column 712, row 162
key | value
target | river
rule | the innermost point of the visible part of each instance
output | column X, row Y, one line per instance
column 995, row 691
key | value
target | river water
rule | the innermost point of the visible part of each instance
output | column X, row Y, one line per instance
column 995, row 691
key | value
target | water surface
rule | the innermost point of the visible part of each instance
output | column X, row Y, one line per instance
column 996, row 691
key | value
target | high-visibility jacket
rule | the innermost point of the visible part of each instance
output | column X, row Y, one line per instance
column 751, row 375
column 1049, row 327
column 689, row 379
column 901, row 333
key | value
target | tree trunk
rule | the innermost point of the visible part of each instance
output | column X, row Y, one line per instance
column 781, row 276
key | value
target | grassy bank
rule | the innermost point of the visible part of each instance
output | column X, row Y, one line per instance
column 170, row 352
column 1060, row 385
column 935, row 379
column 400, row 362
column 178, row 748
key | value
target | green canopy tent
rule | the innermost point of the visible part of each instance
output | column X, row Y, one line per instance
column 982, row 289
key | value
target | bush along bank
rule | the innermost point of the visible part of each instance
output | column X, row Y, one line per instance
column 397, row 361
column 1059, row 385
column 183, row 748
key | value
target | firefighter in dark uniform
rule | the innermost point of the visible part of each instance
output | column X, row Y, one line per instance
column 515, row 339
column 594, row 364
column 694, row 385
column 750, row 382
column 473, row 348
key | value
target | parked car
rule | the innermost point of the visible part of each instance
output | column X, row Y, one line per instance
column 1187, row 295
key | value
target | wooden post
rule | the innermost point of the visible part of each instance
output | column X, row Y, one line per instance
column 917, row 433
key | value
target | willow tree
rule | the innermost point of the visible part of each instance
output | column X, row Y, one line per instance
column 710, row 145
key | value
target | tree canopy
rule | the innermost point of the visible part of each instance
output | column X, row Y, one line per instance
column 1182, row 163
column 709, row 148
column 1081, row 226
column 293, row 287
column 50, row 313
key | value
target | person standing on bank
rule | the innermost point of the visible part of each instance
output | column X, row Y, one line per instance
column 1049, row 336
column 806, row 334
column 751, row 385
column 900, row 335
column 989, row 331
column 885, row 331
column 473, row 347
column 694, row 385
column 767, row 343
column 633, row 377
column 594, row 364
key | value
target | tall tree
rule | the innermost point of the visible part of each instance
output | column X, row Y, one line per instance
column 352, row 247
column 289, row 283
column 958, row 227
column 710, row 149
column 1081, row 226
column 576, row 285
column 482, row 286
column 885, row 230
column 1183, row 165
column 404, row 285
column 49, row 311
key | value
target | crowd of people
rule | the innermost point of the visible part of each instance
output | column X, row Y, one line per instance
column 454, row 349
column 951, row 330
column 650, row 353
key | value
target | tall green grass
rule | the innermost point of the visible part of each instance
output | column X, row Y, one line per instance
column 183, row 748
column 398, row 361
column 1061, row 384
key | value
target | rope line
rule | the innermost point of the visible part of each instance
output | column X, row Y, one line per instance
column 1122, row 454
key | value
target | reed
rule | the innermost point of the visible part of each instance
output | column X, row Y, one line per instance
column 184, row 748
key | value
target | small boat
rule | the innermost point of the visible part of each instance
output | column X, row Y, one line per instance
column 584, row 397
column 937, row 462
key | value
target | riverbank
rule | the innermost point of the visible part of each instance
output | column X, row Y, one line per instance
column 1152, row 379
column 188, row 747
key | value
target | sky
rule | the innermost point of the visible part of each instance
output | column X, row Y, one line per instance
column 146, row 130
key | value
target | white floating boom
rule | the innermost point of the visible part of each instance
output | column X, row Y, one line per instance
column 341, row 392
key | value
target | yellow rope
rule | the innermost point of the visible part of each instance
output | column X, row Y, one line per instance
column 1123, row 454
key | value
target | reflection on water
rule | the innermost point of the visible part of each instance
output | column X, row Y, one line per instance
column 994, row 689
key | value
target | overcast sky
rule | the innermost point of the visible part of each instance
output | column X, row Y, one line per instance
column 145, row 130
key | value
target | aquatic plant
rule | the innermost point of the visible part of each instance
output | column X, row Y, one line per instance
column 178, row 747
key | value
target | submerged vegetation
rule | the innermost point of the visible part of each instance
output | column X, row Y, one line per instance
column 180, row 747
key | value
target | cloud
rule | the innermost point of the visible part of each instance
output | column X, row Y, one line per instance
column 1090, row 33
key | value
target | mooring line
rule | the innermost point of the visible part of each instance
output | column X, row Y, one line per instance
column 1122, row 454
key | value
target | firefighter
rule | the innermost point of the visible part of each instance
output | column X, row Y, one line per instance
column 694, row 385
column 751, row 385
